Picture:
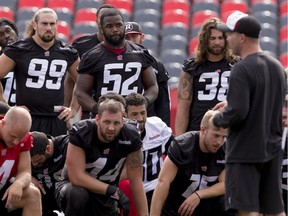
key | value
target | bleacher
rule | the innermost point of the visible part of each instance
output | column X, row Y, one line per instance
column 170, row 26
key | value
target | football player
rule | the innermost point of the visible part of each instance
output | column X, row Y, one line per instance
column 96, row 153
column 40, row 63
column 114, row 65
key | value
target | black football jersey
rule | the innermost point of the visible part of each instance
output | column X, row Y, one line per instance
column 120, row 73
column 85, row 43
column 9, row 88
column 210, row 86
column 40, row 74
column 196, row 170
column 50, row 173
column 104, row 161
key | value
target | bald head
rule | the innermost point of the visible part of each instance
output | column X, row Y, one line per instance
column 15, row 125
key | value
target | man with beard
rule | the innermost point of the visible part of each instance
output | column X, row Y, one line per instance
column 156, row 137
column 8, row 34
column 85, row 43
column 204, row 79
column 114, row 65
column 96, row 153
column 40, row 63
column 48, row 156
column 191, row 181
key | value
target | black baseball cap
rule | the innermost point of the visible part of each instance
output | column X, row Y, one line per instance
column 241, row 23
column 132, row 28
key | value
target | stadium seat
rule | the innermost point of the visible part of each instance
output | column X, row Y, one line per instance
column 9, row 3
column 283, row 33
column 85, row 28
column 200, row 16
column 269, row 44
column 283, row 8
column 69, row 4
column 173, row 68
column 122, row 4
column 148, row 4
column 26, row 13
column 283, row 47
column 194, row 31
column 64, row 29
column 64, row 14
column 176, row 4
column 284, row 20
column 149, row 28
column 174, row 16
column 268, row 30
column 174, row 42
column 88, row 4
column 31, row 3
column 172, row 55
column 147, row 15
column 7, row 13
column 175, row 29
column 21, row 25
column 85, row 14
column 151, row 42
column 266, row 17
column 263, row 6
column 206, row 5
column 252, row 2
column 284, row 59
column 192, row 45
column 232, row 5
column 126, row 14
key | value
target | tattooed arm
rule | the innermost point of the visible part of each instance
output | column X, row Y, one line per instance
column 134, row 166
column 185, row 92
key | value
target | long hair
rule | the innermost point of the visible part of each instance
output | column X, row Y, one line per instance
column 204, row 35
column 30, row 31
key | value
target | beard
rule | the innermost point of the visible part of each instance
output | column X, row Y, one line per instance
column 216, row 51
column 114, row 40
column 47, row 38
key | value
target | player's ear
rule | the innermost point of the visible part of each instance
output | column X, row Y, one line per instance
column 97, row 119
column 100, row 29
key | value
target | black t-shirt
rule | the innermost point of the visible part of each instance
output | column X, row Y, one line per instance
column 104, row 161
column 120, row 73
column 254, row 110
column 196, row 170
column 85, row 43
column 40, row 74
column 210, row 86
column 50, row 173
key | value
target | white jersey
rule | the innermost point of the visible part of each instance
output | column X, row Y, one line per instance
column 157, row 135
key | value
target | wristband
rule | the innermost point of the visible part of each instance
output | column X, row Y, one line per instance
column 111, row 190
column 197, row 195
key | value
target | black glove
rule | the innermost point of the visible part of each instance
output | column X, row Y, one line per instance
column 123, row 201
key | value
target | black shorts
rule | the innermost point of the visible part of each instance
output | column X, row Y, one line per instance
column 95, row 205
column 255, row 186
column 51, row 125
